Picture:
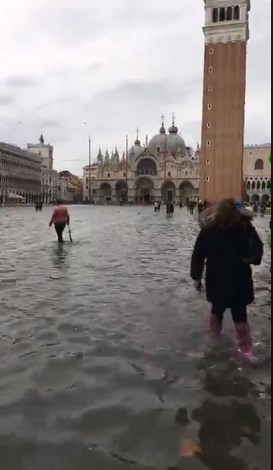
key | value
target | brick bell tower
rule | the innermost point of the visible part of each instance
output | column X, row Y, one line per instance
column 226, row 34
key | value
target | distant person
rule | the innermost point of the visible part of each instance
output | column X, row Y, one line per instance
column 171, row 210
column 180, row 205
column 255, row 208
column 158, row 206
column 200, row 207
column 60, row 218
column 205, row 204
column 228, row 245
column 191, row 206
column 263, row 209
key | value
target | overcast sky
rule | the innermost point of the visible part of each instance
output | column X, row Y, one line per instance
column 115, row 65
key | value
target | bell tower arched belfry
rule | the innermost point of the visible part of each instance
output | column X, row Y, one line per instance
column 226, row 33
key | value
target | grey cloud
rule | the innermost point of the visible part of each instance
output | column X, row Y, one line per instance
column 6, row 99
column 93, row 67
column 133, row 13
column 51, row 124
column 118, row 64
column 20, row 82
column 72, row 23
column 135, row 91
column 56, row 103
column 68, row 24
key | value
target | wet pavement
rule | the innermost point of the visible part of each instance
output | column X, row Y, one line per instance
column 105, row 361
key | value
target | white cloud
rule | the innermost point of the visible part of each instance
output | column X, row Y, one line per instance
column 115, row 64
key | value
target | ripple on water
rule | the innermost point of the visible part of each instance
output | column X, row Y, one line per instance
column 103, row 343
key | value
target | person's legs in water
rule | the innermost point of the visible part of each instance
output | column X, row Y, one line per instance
column 59, row 230
column 216, row 320
column 239, row 316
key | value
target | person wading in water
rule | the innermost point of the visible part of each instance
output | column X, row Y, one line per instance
column 229, row 245
column 60, row 218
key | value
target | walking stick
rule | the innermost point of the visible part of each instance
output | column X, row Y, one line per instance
column 70, row 234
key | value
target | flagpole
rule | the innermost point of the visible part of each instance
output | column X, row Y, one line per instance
column 126, row 171
column 89, row 168
column 165, row 159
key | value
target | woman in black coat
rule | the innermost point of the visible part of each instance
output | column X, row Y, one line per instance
column 228, row 245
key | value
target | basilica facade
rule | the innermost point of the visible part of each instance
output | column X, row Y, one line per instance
column 164, row 169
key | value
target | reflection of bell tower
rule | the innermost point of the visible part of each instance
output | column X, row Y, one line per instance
column 226, row 34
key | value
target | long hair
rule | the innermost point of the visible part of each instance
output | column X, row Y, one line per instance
column 227, row 212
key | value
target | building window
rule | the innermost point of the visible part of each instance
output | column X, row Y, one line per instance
column 211, row 51
column 236, row 13
column 208, row 125
column 209, row 88
column 222, row 16
column 209, row 106
column 210, row 69
column 207, row 179
column 207, row 161
column 259, row 164
column 215, row 15
column 108, row 175
column 124, row 175
column 169, row 174
column 208, row 143
column 229, row 14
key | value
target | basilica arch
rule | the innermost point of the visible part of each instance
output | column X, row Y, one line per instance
column 186, row 192
column 168, row 191
column 122, row 191
column 144, row 191
column 105, row 192
column 146, row 166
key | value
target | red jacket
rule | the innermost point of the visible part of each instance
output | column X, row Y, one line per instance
column 60, row 216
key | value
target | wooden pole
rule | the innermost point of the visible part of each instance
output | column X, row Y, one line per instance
column 89, row 169
column 165, row 171
column 165, row 159
column 126, row 171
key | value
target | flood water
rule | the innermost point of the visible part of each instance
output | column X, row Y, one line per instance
column 105, row 361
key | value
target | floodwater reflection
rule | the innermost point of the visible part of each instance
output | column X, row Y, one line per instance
column 223, row 427
column 103, row 346
column 60, row 254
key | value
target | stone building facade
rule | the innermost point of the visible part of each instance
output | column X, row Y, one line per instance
column 20, row 174
column 69, row 187
column 92, row 175
column 226, row 34
column 257, row 172
column 49, row 176
column 162, row 169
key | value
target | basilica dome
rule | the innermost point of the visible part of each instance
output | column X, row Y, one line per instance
column 135, row 151
column 170, row 143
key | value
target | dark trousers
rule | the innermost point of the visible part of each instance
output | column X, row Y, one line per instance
column 59, row 230
column 239, row 313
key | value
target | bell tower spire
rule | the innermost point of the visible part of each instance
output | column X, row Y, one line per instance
column 226, row 33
